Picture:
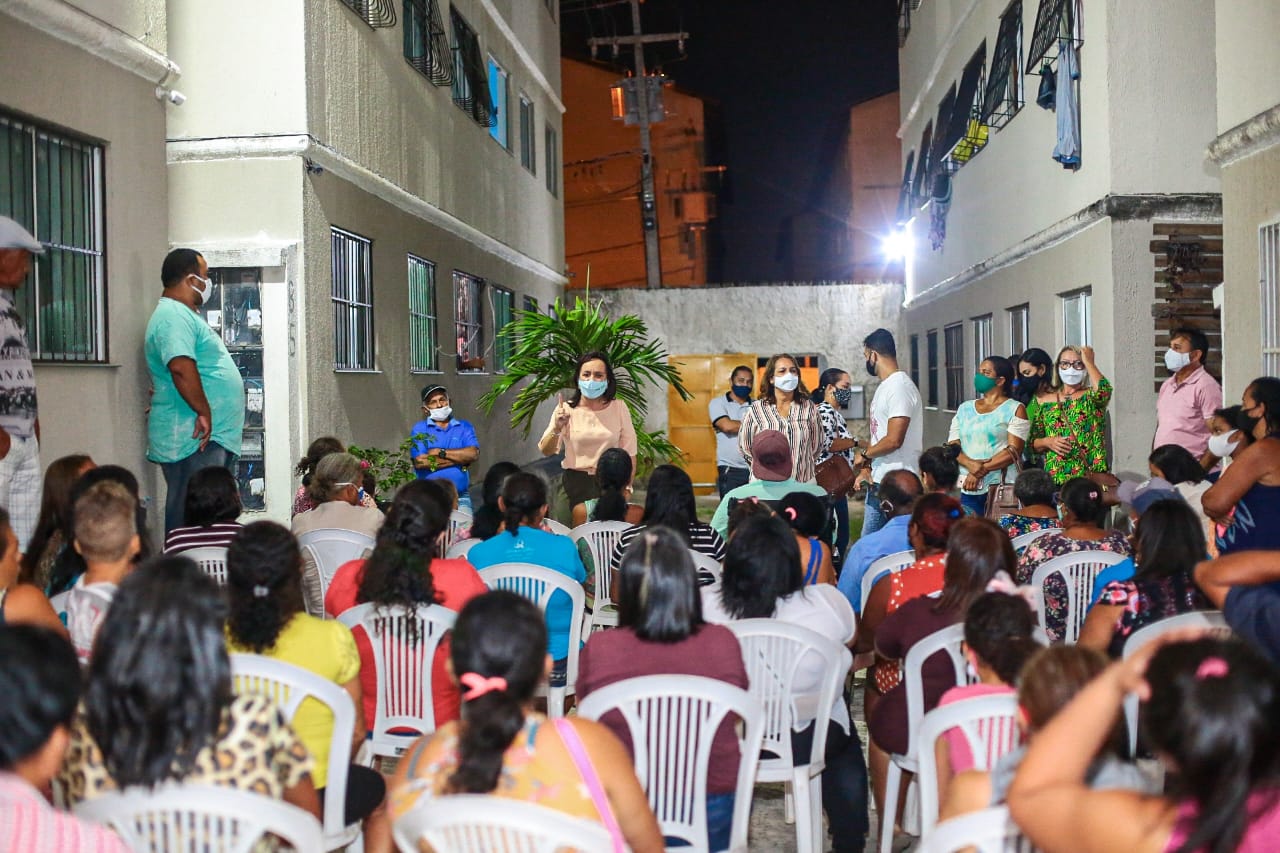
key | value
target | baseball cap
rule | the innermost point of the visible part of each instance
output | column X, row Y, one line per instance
column 14, row 236
column 771, row 456
column 1140, row 496
column 431, row 389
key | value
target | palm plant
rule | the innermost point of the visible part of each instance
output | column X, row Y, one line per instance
column 545, row 347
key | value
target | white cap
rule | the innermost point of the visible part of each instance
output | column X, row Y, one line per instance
column 14, row 236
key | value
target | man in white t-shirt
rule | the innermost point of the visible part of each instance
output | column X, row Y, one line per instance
column 897, row 424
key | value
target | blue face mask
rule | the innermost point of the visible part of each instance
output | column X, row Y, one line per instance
column 592, row 388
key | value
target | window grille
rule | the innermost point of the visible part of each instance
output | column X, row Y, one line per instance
column 1269, row 267
column 914, row 344
column 51, row 184
column 904, row 194
column 375, row 13
column 1055, row 20
column 426, row 47
column 921, row 189
column 528, row 150
column 983, row 346
column 938, row 152
column 504, row 307
column 423, row 323
column 1077, row 319
column 499, row 96
column 1003, row 96
column 470, row 81
column 352, row 295
column 469, row 321
column 552, row 151
column 966, row 134
column 1019, row 328
column 931, row 346
column 954, row 364
column 531, row 304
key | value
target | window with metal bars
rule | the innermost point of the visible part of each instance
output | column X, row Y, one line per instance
column 931, row 349
column 51, row 184
column 375, row 13
column 953, row 344
column 1003, row 96
column 423, row 324
column 469, row 321
column 528, row 147
column 1055, row 20
column 470, row 79
column 1269, row 267
column 920, row 185
column 352, row 294
column 504, row 307
column 426, row 46
column 983, row 346
column 1019, row 327
column 915, row 360
column 937, row 155
column 905, row 206
column 552, row 151
column 966, row 134
column 499, row 96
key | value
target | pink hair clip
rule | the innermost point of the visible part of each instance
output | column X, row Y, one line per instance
column 480, row 685
column 1212, row 667
column 790, row 512
column 364, row 464
column 1093, row 496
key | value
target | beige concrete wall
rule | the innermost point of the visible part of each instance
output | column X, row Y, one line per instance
column 829, row 319
column 100, row 409
column 875, row 170
column 144, row 20
column 1248, row 73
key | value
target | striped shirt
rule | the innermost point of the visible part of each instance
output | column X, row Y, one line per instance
column 28, row 824
column 702, row 538
column 214, row 536
column 801, row 427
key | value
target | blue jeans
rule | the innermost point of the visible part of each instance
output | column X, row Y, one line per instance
column 874, row 519
column 719, row 823
column 178, row 474
column 728, row 478
column 974, row 504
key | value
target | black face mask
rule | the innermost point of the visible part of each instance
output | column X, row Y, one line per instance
column 871, row 368
column 1028, row 384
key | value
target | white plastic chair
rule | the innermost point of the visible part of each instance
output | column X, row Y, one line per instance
column 947, row 640
column 989, row 725
column 988, row 831
column 878, row 569
column 199, row 819
column 403, row 665
column 601, row 537
column 327, row 548
column 772, row 651
column 1078, row 570
column 288, row 686
column 703, row 563
column 1022, row 540
column 673, row 720
column 557, row 527
column 459, row 520
column 458, row 550
column 478, row 823
column 539, row 583
column 1144, row 635
column 212, row 561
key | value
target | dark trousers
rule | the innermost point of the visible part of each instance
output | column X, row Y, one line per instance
column 728, row 478
column 844, row 786
column 579, row 486
column 178, row 474
column 842, row 531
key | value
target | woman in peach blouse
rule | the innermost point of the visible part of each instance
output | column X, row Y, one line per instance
column 591, row 422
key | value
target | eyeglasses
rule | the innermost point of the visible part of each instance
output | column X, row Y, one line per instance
column 1071, row 365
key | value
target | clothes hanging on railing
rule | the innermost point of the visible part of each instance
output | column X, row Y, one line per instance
column 1067, row 151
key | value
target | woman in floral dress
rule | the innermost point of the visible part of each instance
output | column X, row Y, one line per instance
column 1080, row 503
column 1068, row 419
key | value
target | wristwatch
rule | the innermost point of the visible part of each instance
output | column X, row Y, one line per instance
column 439, row 452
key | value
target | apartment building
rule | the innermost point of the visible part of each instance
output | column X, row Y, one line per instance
column 83, row 100
column 377, row 188
column 1247, row 149
column 1012, row 248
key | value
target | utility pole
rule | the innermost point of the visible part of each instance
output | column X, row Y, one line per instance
column 648, row 193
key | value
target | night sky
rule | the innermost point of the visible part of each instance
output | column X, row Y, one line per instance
column 784, row 76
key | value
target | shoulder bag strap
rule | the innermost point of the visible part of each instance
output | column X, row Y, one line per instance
column 582, row 761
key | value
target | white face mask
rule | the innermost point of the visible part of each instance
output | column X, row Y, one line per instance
column 1221, row 445
column 787, row 382
column 204, row 292
column 1175, row 360
column 441, row 414
column 1070, row 376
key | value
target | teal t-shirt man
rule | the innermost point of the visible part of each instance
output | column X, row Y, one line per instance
column 197, row 399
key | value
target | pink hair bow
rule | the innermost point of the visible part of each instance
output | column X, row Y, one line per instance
column 480, row 685
column 1212, row 667
column 1001, row 582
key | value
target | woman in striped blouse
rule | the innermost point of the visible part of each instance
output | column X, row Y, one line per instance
column 784, row 405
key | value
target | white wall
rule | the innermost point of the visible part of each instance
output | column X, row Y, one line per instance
column 1248, row 78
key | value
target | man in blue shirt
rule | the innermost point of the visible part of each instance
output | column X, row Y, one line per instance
column 444, row 446
column 898, row 493
column 1245, row 586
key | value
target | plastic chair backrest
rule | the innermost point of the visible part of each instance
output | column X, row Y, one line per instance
column 479, row 823
column 1147, row 633
column 666, row 711
column 772, row 651
column 882, row 567
column 601, row 537
column 1078, row 571
column 459, row 520
column 288, row 686
column 989, row 725
column 200, row 818
column 330, row 547
column 987, row 831
column 947, row 640
column 404, row 643
column 703, row 563
column 212, row 561
column 458, row 550
column 557, row 527
column 1022, row 540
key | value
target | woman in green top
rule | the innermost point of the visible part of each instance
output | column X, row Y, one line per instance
column 1068, row 419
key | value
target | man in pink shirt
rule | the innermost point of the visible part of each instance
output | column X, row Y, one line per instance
column 1189, row 397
